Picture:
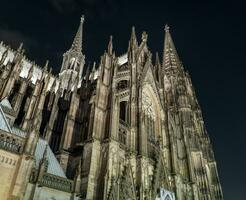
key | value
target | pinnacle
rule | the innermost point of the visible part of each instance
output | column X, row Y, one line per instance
column 46, row 65
column 133, row 39
column 20, row 47
column 157, row 59
column 110, row 45
column 144, row 36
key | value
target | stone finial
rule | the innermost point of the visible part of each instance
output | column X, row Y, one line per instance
column 20, row 47
column 82, row 19
column 167, row 28
column 46, row 65
column 144, row 36
column 110, row 45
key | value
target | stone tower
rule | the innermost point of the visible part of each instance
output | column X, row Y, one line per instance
column 129, row 128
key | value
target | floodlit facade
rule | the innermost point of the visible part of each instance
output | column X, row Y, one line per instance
column 128, row 128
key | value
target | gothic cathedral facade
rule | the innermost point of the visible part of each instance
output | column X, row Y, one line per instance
column 128, row 128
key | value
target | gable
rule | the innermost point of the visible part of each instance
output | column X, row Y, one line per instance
column 53, row 165
column 148, row 78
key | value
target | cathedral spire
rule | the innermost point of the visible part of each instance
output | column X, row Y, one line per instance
column 73, row 61
column 170, row 55
column 77, row 42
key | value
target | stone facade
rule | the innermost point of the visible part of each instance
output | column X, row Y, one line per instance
column 124, row 129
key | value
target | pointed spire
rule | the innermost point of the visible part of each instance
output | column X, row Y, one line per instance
column 110, row 45
column 46, row 65
column 158, row 67
column 170, row 55
column 20, row 47
column 87, row 73
column 94, row 66
column 77, row 42
column 133, row 40
column 157, row 59
column 144, row 36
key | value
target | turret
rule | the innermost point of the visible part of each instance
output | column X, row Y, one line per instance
column 73, row 61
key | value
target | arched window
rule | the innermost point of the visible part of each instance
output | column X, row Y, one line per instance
column 123, row 111
column 150, row 124
column 123, row 121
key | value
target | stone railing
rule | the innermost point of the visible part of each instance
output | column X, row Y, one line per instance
column 56, row 182
column 11, row 142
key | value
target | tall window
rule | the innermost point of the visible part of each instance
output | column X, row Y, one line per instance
column 124, row 120
column 149, row 124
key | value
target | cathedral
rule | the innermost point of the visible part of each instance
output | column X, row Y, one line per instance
column 127, row 128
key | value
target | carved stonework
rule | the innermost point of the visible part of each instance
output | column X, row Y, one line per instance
column 135, row 127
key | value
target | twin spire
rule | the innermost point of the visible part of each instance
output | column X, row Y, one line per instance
column 170, row 56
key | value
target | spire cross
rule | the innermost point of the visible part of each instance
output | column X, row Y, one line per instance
column 167, row 28
column 82, row 19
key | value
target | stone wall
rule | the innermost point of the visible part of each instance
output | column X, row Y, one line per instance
column 44, row 193
column 8, row 163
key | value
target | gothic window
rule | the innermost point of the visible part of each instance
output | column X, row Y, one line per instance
column 149, row 116
column 124, row 111
column 73, row 63
column 149, row 124
column 124, row 120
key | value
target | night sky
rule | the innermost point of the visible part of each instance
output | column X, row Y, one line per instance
column 210, row 39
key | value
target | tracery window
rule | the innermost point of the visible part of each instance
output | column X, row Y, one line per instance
column 149, row 116
column 149, row 124
column 123, row 121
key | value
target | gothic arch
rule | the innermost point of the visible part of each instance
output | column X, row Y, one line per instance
column 151, row 107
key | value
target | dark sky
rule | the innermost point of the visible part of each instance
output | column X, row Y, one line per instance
column 210, row 38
